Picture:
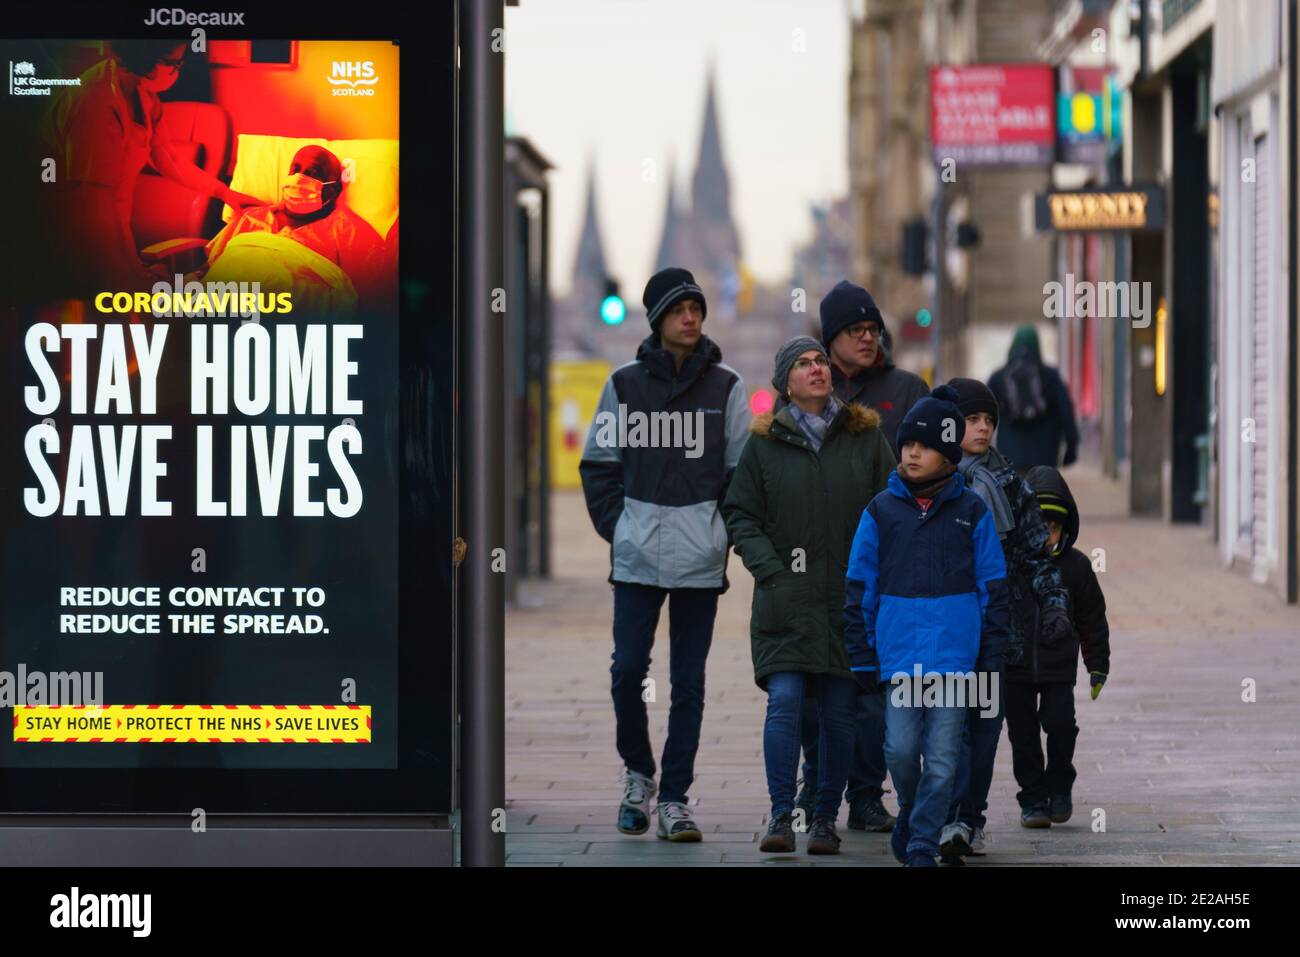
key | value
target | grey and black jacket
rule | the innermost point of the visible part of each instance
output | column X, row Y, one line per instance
column 658, row 459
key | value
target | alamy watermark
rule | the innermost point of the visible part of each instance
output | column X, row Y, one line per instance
column 25, row 688
column 932, row 689
column 1098, row 300
column 651, row 430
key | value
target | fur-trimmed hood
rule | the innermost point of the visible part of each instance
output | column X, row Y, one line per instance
column 854, row 417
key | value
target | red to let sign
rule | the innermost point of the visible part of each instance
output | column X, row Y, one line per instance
column 993, row 114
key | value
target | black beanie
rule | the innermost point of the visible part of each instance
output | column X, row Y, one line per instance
column 974, row 396
column 928, row 420
column 668, row 287
column 847, row 305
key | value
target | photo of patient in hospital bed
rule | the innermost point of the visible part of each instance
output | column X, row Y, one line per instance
column 241, row 164
column 305, row 243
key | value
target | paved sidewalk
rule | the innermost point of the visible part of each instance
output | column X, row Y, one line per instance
column 1183, row 770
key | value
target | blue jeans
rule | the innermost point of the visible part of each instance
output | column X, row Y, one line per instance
column 867, row 766
column 970, row 795
column 785, row 702
column 690, row 633
column 935, row 734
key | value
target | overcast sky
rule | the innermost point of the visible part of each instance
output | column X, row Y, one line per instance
column 622, row 83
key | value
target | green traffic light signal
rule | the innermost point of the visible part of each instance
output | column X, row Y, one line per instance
column 923, row 318
column 612, row 310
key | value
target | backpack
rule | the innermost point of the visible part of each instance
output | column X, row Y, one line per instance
column 1025, row 397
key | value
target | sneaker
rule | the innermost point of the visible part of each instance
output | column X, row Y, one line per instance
column 977, row 842
column 898, row 839
column 1035, row 816
column 954, row 843
column 822, row 838
column 634, row 810
column 1060, row 808
column 675, row 823
column 869, row 814
column 779, row 838
column 919, row 859
column 807, row 800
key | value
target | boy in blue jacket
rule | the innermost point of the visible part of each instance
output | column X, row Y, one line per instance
column 925, row 595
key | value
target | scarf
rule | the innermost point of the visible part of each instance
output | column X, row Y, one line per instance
column 978, row 472
column 929, row 487
column 814, row 426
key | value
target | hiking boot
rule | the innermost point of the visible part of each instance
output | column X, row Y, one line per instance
column 977, row 842
column 898, row 839
column 1060, row 808
column 869, row 814
column 634, row 810
column 954, row 843
column 822, row 838
column 1035, row 816
column 675, row 823
column 807, row 800
column 919, row 859
column 779, row 838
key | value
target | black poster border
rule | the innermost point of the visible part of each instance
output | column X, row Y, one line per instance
column 422, row 782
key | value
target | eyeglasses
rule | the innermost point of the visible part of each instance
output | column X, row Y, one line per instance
column 174, row 62
column 820, row 362
column 862, row 328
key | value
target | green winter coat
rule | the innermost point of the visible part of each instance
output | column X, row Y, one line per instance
column 783, row 497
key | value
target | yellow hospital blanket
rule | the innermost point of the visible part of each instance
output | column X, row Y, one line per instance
column 280, row 264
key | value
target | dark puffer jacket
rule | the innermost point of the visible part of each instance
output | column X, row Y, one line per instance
column 1035, row 580
column 1087, row 603
column 784, row 497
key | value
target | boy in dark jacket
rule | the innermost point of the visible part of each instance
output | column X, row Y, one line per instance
column 1037, row 595
column 925, row 596
column 1040, row 687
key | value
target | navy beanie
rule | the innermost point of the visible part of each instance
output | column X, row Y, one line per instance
column 928, row 420
column 668, row 287
column 974, row 396
column 847, row 305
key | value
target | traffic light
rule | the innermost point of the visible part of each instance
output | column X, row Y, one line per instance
column 914, row 237
column 612, row 308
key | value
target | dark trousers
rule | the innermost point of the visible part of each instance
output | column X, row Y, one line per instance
column 690, row 632
column 1049, row 708
column 867, row 765
column 970, row 796
column 786, row 698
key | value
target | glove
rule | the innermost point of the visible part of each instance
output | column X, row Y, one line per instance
column 1096, row 679
column 1057, row 627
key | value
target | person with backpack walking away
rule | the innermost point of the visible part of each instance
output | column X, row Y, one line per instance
column 654, row 497
column 802, row 483
column 1037, row 415
column 1040, row 687
column 1037, row 595
column 925, row 598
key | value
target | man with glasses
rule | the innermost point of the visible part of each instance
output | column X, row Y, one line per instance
column 853, row 332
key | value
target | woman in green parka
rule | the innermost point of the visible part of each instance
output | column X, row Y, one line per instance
column 806, row 474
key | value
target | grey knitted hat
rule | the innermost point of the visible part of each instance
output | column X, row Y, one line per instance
column 786, row 355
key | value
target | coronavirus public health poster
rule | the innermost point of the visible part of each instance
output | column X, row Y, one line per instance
column 199, row 485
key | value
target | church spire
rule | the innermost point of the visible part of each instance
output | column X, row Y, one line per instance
column 710, row 189
column 589, row 263
column 667, row 257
